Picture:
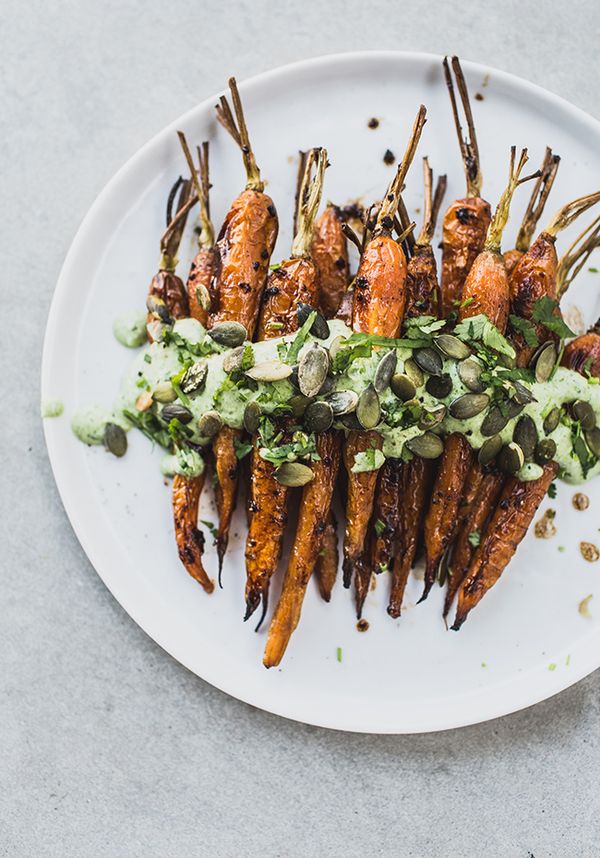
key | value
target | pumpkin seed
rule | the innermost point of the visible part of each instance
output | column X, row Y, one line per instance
column 543, row 362
column 312, row 370
column 194, row 378
column 552, row 420
column 144, row 401
column 414, row 372
column 427, row 446
column 350, row 421
column 210, row 423
column 489, row 449
column 584, row 412
column 203, row 296
column 531, row 471
column 511, row 458
column 439, row 386
column 293, row 379
column 368, row 409
column 252, row 415
column 493, row 422
column 522, row 394
column 298, row 404
column 526, row 436
column 156, row 330
column 158, row 308
column 293, row 474
column 592, row 438
column 335, row 346
column 428, row 360
column 115, row 439
column 545, row 451
column 175, row 411
column 513, row 408
column 469, row 405
column 431, row 419
column 385, row 370
column 163, row 392
column 343, row 402
column 233, row 360
column 269, row 370
column 230, row 334
column 318, row 417
column 327, row 385
column 403, row 387
column 469, row 372
column 319, row 328
column 451, row 346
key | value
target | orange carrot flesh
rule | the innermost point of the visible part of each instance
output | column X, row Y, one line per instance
column 329, row 252
column 190, row 540
column 465, row 227
column 534, row 277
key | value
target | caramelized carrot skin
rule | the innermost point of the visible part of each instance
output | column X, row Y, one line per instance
column 294, row 282
column 170, row 288
column 511, row 260
column 421, row 284
column 328, row 561
column 465, row 226
column 486, row 290
column 329, row 252
column 441, row 520
column 345, row 309
column 267, row 505
column 379, row 288
column 361, row 491
column 583, row 354
column 534, row 277
column 316, row 500
column 480, row 508
column 190, row 541
column 201, row 274
column 513, row 515
column 244, row 247
column 416, row 480
column 226, row 467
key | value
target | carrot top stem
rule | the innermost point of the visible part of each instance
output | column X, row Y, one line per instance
column 469, row 149
column 565, row 216
column 575, row 257
column 432, row 203
column 200, row 180
column 171, row 237
column 308, row 201
column 537, row 201
column 500, row 217
column 402, row 223
column 299, row 178
column 239, row 131
column 389, row 205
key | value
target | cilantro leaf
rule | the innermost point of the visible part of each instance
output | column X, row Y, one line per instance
column 474, row 538
column 545, row 312
column 480, row 328
column 524, row 327
column 242, row 448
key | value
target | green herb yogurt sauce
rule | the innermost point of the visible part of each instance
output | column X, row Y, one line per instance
column 161, row 362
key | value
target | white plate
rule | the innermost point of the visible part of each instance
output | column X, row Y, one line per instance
column 399, row 677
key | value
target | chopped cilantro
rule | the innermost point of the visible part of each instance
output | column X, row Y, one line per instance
column 544, row 312
column 149, row 424
column 211, row 527
column 552, row 666
column 474, row 538
column 345, row 355
column 524, row 327
column 593, row 270
column 247, row 358
column 552, row 490
column 148, row 358
column 242, row 448
column 338, row 654
column 479, row 328
column 379, row 527
column 370, row 460
column 300, row 338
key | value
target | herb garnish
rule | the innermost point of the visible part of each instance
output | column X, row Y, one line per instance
column 545, row 312
column 524, row 327
column 299, row 340
column 479, row 328
column 474, row 538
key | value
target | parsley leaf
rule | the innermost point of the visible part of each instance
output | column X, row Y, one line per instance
column 544, row 312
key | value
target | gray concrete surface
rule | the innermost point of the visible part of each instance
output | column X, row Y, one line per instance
column 107, row 747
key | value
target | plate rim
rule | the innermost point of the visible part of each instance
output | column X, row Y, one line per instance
column 149, row 624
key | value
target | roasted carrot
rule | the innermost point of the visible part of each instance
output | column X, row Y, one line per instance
column 190, row 540
column 378, row 308
column 533, row 212
column 330, row 254
column 327, row 564
column 244, row 248
column 486, row 290
column 405, row 486
column 315, row 501
column 293, row 283
column 466, row 220
column 509, row 524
